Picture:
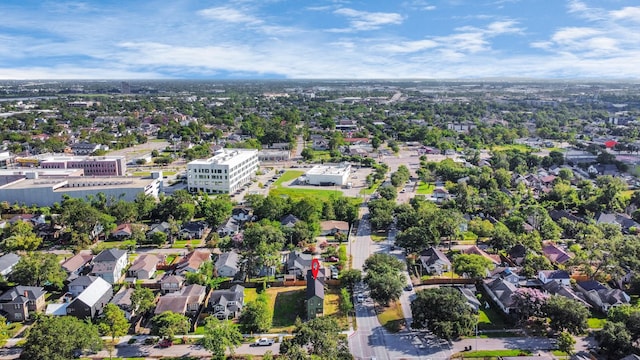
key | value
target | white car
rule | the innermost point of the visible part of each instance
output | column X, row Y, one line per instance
column 359, row 298
column 264, row 342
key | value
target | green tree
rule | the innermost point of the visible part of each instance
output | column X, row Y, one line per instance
column 168, row 324
column 220, row 336
column 319, row 337
column 142, row 299
column 566, row 343
column 350, row 278
column 256, row 316
column 474, row 266
column 216, row 209
column 58, row 337
column 39, row 269
column 388, row 192
column 566, row 315
column 614, row 339
column 113, row 322
column 444, row 311
column 384, row 277
column 3, row 328
column 346, row 305
column 21, row 237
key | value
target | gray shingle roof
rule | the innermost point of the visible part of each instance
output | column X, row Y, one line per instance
column 109, row 255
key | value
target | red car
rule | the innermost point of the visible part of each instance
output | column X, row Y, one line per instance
column 165, row 343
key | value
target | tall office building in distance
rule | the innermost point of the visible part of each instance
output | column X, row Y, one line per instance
column 227, row 171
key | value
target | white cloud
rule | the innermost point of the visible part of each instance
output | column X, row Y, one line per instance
column 418, row 5
column 363, row 20
column 228, row 14
column 627, row 13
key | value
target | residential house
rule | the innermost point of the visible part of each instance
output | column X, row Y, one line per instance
column 193, row 230
column 469, row 293
column 171, row 283
column 84, row 148
column 227, row 264
column 434, row 261
column 501, row 292
column 192, row 261
column 600, row 296
column 289, row 220
column 314, row 299
column 7, row 262
column 505, row 273
column 605, row 218
column 77, row 264
column 18, row 302
column 517, row 254
column 298, row 263
column 186, row 301
column 122, row 299
column 110, row 264
column 80, row 284
column 560, row 276
column 558, row 289
column 163, row 227
column 440, row 195
column 555, row 254
column 227, row 303
column 229, row 227
column 144, row 267
column 122, row 231
column 331, row 227
column 241, row 214
column 91, row 301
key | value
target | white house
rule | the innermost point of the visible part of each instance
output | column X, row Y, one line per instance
column 110, row 265
column 560, row 276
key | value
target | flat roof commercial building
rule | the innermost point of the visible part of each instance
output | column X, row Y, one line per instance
column 328, row 175
column 32, row 190
column 92, row 165
column 227, row 171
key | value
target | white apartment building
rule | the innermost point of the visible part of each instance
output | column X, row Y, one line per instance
column 225, row 172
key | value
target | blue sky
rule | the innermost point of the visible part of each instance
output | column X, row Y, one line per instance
column 297, row 39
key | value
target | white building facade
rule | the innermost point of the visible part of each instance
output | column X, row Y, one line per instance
column 329, row 175
column 227, row 171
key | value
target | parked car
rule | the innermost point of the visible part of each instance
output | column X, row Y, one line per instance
column 360, row 298
column 263, row 342
column 409, row 287
column 331, row 259
column 165, row 343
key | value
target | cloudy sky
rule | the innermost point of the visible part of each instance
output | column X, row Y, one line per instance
column 298, row 39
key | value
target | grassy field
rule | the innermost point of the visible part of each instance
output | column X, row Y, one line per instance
column 491, row 354
column 181, row 244
column 445, row 275
column 597, row 321
column 392, row 317
column 490, row 319
column 370, row 190
column 288, row 176
column 425, row 188
column 379, row 236
column 287, row 304
column 297, row 194
column 520, row 147
column 332, row 308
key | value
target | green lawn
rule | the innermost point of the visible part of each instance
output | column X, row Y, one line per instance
column 288, row 176
column 181, row 244
column 470, row 236
column 379, row 236
column 490, row 319
column 392, row 317
column 520, row 147
column 250, row 294
column 370, row 190
column 300, row 193
column 332, row 301
column 596, row 321
column 492, row 353
column 287, row 305
column 425, row 188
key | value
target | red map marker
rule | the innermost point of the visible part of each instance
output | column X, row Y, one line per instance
column 315, row 267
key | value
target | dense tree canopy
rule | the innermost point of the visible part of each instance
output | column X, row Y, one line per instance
column 58, row 337
column 444, row 311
